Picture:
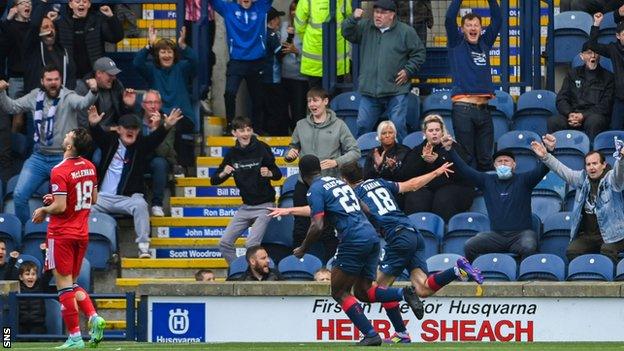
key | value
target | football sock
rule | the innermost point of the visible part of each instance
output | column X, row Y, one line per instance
column 355, row 313
column 392, row 310
column 69, row 310
column 384, row 294
column 438, row 280
column 85, row 305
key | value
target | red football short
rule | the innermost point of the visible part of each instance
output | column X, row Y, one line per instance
column 65, row 255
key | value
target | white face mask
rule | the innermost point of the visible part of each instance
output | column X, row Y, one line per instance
column 503, row 172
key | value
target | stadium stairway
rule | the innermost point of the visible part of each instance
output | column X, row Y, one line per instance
column 187, row 240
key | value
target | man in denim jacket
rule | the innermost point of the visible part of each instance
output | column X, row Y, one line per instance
column 598, row 213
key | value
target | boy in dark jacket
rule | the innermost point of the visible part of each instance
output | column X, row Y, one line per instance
column 31, row 311
column 252, row 164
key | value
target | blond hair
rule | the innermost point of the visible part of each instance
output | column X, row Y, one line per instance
column 434, row 119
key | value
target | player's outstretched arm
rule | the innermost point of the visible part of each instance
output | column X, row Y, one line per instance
column 56, row 207
column 303, row 211
column 418, row 182
column 314, row 233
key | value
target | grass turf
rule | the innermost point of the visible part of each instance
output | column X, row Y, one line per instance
column 133, row 346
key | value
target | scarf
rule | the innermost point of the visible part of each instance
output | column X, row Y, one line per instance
column 44, row 126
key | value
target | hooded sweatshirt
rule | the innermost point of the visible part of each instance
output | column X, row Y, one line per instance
column 330, row 139
column 247, row 161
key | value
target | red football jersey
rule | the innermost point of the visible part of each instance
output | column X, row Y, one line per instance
column 77, row 179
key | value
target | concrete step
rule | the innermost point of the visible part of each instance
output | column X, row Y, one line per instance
column 112, row 315
column 166, row 263
column 165, row 273
column 134, row 282
column 197, row 182
column 190, row 221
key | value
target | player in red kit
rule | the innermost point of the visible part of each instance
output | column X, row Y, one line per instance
column 73, row 185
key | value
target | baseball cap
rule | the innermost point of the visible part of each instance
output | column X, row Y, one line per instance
column 504, row 152
column 129, row 121
column 389, row 5
column 309, row 164
column 588, row 45
column 274, row 13
column 106, row 64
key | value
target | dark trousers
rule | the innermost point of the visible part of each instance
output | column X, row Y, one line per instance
column 522, row 243
column 295, row 95
column 445, row 201
column 235, row 72
column 328, row 238
column 6, row 157
column 184, row 143
column 276, row 121
column 587, row 244
column 475, row 131
column 593, row 124
column 590, row 6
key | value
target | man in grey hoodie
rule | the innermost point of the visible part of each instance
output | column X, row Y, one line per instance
column 327, row 137
column 54, row 108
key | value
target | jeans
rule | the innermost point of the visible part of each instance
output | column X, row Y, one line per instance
column 372, row 108
column 235, row 72
column 35, row 172
column 134, row 206
column 474, row 130
column 522, row 243
column 160, row 170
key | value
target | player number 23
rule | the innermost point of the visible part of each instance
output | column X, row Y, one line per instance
column 347, row 198
column 84, row 191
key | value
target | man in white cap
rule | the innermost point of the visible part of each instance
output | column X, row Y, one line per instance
column 113, row 100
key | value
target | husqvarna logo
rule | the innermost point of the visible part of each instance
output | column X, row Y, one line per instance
column 178, row 321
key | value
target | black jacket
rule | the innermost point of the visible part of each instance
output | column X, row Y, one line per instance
column 12, row 43
column 31, row 311
column 415, row 166
column 254, row 188
column 398, row 152
column 109, row 102
column 36, row 55
column 614, row 51
column 273, row 275
column 586, row 92
column 98, row 28
column 135, row 162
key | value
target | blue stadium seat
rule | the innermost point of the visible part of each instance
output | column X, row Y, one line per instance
column 439, row 103
column 605, row 62
column 462, row 227
column 533, row 110
column 84, row 277
column 413, row 139
column 288, row 188
column 293, row 268
column 568, row 202
column 10, row 231
column 572, row 145
column 497, row 267
column 28, row 258
column 431, row 226
column 279, row 231
column 542, row 267
column 34, row 235
column 501, row 117
column 607, row 30
column 556, row 235
column 33, row 203
column 591, row 267
column 367, row 143
column 478, row 204
column 551, row 185
column 604, row 143
column 571, row 32
column 346, row 106
column 53, row 318
column 545, row 205
column 102, row 239
column 441, row 262
column 519, row 142
column 619, row 271
column 536, row 225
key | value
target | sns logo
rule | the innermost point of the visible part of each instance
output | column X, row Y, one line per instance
column 178, row 321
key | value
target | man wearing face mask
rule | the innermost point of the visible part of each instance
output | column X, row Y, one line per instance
column 124, row 160
column 585, row 99
column 598, row 212
column 507, row 198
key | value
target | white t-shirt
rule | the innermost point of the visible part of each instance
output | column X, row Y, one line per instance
column 113, row 173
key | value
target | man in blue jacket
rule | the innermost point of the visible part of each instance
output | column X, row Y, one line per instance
column 468, row 55
column 245, row 24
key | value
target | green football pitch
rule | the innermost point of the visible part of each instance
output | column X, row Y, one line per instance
column 131, row 346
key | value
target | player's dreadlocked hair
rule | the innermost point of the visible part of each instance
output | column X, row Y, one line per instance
column 82, row 141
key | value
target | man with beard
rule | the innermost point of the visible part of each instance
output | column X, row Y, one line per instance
column 54, row 109
column 259, row 270
column 43, row 49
